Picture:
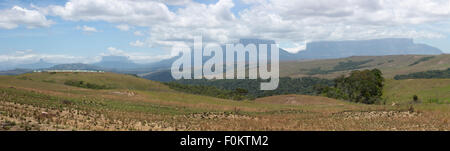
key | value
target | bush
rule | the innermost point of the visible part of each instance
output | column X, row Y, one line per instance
column 415, row 98
column 83, row 84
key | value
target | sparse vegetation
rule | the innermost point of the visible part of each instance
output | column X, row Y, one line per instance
column 433, row 74
column 427, row 90
column 341, row 66
column 83, row 84
column 421, row 60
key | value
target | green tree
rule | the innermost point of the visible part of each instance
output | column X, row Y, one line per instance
column 361, row 86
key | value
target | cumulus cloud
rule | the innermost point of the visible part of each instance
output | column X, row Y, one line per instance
column 344, row 19
column 280, row 20
column 299, row 21
column 12, row 18
column 137, row 43
column 138, row 33
column 136, row 12
column 136, row 57
column 87, row 28
column 123, row 27
column 29, row 56
column 175, row 2
column 296, row 47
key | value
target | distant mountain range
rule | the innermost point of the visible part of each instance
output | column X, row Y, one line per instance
column 40, row 64
column 75, row 66
column 338, row 49
column 314, row 50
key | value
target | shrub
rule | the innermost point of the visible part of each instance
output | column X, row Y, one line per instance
column 87, row 85
column 415, row 98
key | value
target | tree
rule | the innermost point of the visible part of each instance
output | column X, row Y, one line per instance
column 361, row 86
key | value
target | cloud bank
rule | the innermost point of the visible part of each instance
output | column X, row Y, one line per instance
column 293, row 21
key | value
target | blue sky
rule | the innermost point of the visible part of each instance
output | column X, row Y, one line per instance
column 84, row 30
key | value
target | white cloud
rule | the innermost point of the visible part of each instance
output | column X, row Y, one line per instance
column 12, row 18
column 298, row 21
column 138, row 33
column 136, row 12
column 296, row 48
column 280, row 20
column 28, row 56
column 137, row 43
column 87, row 28
column 123, row 27
column 134, row 56
column 115, row 51
column 24, row 51
column 176, row 2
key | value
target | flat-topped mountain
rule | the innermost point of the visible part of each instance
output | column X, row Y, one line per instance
column 375, row 47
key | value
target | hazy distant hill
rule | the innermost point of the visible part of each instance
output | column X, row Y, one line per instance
column 375, row 47
column 74, row 66
column 38, row 65
column 15, row 71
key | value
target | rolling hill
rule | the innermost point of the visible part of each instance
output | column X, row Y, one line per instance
column 42, row 101
column 427, row 90
column 389, row 65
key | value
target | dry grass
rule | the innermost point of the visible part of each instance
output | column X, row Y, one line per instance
column 299, row 100
column 32, row 104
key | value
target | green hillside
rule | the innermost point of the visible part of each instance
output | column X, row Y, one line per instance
column 118, row 81
column 427, row 90
column 389, row 65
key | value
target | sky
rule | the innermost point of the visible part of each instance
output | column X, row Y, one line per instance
column 70, row 31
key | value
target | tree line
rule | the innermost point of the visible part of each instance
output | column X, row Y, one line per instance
column 364, row 86
column 287, row 85
column 432, row 74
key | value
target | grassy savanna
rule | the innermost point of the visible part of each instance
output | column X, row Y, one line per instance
column 389, row 65
column 427, row 90
column 41, row 101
